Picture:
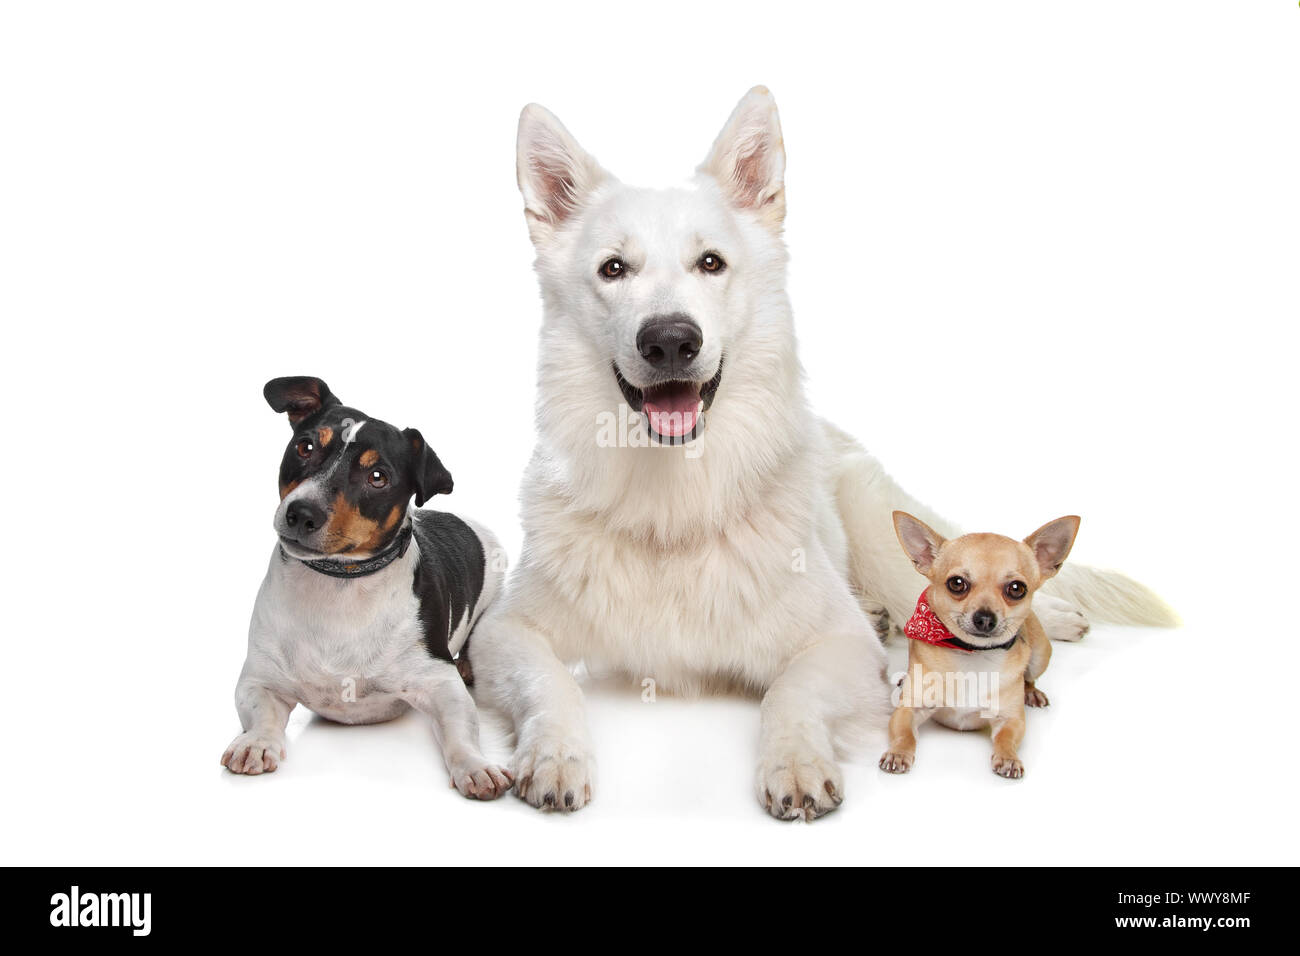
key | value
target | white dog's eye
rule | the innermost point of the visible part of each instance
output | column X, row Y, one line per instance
column 711, row 262
column 614, row 268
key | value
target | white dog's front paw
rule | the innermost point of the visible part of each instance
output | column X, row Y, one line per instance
column 252, row 754
column 478, row 779
column 1060, row 619
column 799, row 785
column 554, row 774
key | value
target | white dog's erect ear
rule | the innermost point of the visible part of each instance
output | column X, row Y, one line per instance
column 919, row 540
column 748, row 157
column 555, row 174
column 1052, row 542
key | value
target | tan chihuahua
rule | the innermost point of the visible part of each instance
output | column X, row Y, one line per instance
column 976, row 647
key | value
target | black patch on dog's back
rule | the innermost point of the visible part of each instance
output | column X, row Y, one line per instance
column 449, row 577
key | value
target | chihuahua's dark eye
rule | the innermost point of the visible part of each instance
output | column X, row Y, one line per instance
column 377, row 479
column 614, row 268
column 305, row 447
column 711, row 262
column 958, row 585
column 1015, row 590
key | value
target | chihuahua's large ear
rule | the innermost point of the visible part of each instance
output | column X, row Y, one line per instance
column 556, row 175
column 748, row 158
column 299, row 395
column 919, row 540
column 1052, row 542
column 428, row 477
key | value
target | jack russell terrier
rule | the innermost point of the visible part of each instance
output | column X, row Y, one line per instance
column 368, row 603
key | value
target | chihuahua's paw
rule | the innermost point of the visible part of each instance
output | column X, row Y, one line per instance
column 253, row 754
column 799, row 785
column 554, row 775
column 897, row 762
column 1034, row 697
column 1008, row 767
column 1061, row 620
column 478, row 779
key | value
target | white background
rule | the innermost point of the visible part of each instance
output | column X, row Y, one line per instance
column 1065, row 234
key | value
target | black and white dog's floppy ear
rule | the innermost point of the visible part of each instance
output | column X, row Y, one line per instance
column 299, row 395
column 428, row 477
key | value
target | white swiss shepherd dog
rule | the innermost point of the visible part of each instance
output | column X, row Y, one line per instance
column 727, row 537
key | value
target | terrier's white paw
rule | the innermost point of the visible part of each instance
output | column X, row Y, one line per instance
column 252, row 754
column 554, row 774
column 799, row 785
column 478, row 779
column 1060, row 619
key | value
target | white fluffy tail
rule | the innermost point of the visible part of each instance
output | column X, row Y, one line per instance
column 1111, row 596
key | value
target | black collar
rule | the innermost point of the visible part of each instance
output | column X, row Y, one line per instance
column 956, row 641
column 359, row 569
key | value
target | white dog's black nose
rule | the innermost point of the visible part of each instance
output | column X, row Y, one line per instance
column 984, row 621
column 304, row 518
column 669, row 342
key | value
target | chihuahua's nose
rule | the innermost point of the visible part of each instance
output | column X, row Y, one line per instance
column 304, row 518
column 669, row 342
column 984, row 621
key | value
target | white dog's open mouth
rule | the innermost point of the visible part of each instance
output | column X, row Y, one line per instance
column 674, row 410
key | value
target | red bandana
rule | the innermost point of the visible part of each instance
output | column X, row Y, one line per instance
column 926, row 627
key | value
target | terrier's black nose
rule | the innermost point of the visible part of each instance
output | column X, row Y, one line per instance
column 669, row 342
column 984, row 621
column 304, row 518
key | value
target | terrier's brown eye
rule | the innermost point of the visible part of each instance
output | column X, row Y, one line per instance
column 378, row 479
column 1016, row 590
column 712, row 262
column 958, row 585
column 305, row 448
column 614, row 268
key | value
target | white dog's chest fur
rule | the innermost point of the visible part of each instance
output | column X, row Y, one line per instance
column 728, row 608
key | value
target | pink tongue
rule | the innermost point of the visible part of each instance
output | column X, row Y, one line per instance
column 672, row 409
